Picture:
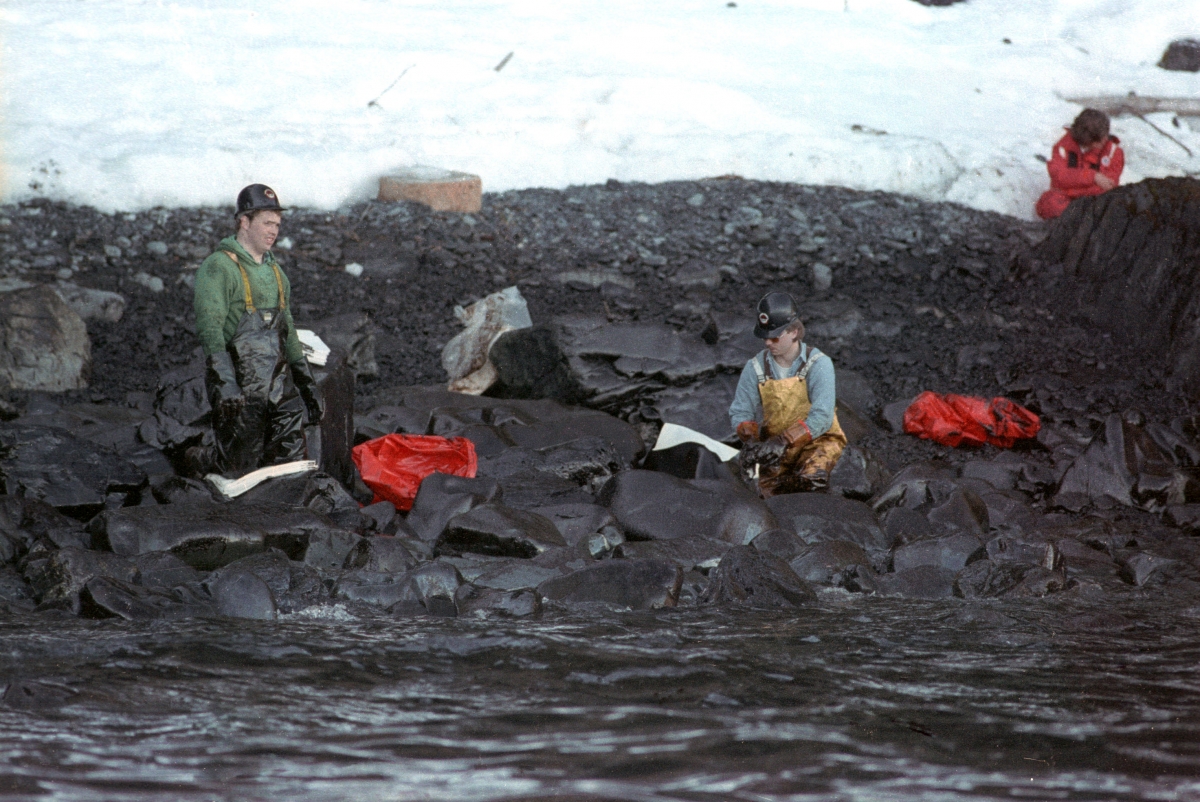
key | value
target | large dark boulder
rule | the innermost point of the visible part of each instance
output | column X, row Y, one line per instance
column 213, row 535
column 749, row 577
column 381, row 554
column 75, row 476
column 688, row 553
column 635, row 584
column 517, row 603
column 824, row 562
column 58, row 580
column 950, row 552
column 817, row 517
column 607, row 365
column 498, row 530
column 44, row 344
column 656, row 506
column 1126, row 260
column 442, row 496
column 918, row 582
column 1122, row 465
column 294, row 585
column 242, row 594
column 1182, row 55
column 859, row 474
column 105, row 597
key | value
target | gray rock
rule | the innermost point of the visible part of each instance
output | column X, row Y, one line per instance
column 163, row 571
column 985, row 578
column 822, row 277
column 46, row 346
column 435, row 586
column 701, row 406
column 1138, row 235
column 575, row 522
column 917, row 486
column 854, row 390
column 382, row 589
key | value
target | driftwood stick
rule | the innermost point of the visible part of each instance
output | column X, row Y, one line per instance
column 375, row 102
column 1142, row 117
column 1137, row 106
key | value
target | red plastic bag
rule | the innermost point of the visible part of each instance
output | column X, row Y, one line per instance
column 954, row 420
column 394, row 465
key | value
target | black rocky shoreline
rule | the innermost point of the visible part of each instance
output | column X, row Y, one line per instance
column 920, row 296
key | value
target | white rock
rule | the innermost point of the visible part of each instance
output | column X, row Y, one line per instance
column 89, row 303
column 696, row 200
column 112, row 251
column 822, row 276
column 152, row 283
column 465, row 357
column 354, row 269
column 157, row 248
column 285, row 244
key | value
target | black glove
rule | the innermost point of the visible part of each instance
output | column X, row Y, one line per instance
column 224, row 395
column 767, row 454
column 307, row 385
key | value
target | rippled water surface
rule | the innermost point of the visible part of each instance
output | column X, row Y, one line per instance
column 863, row 698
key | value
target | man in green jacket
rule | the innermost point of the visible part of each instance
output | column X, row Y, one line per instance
column 256, row 376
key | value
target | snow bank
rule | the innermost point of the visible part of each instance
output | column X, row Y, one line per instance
column 127, row 105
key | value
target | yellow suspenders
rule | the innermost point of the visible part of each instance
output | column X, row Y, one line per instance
column 246, row 282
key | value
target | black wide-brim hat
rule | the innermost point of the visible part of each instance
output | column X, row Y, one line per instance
column 776, row 311
column 257, row 198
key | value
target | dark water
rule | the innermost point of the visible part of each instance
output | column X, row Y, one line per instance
column 861, row 699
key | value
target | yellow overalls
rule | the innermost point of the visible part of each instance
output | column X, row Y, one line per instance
column 785, row 401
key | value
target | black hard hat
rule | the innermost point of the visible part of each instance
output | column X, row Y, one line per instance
column 776, row 311
column 256, row 198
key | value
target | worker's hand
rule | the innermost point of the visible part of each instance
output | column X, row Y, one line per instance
column 766, row 454
column 220, row 379
column 1104, row 182
column 231, row 406
column 747, row 431
column 314, row 405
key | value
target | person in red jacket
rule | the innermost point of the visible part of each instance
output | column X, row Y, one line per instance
column 1086, row 161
